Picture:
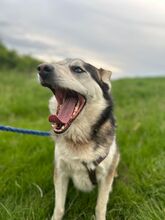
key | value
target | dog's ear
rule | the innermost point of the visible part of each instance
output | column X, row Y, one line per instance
column 105, row 75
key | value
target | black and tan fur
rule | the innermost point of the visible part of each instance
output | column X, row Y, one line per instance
column 88, row 148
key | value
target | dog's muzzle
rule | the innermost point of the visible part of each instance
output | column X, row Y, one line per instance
column 69, row 102
column 45, row 72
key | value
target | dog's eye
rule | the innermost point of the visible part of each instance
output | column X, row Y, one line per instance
column 77, row 69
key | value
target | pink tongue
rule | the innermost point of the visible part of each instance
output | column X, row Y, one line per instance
column 65, row 111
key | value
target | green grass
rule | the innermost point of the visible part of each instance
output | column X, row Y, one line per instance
column 26, row 162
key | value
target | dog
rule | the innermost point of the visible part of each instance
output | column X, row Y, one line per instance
column 83, row 127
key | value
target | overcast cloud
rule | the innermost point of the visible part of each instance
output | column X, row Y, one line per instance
column 126, row 36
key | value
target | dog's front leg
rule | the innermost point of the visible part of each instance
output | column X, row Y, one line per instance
column 61, row 184
column 104, row 188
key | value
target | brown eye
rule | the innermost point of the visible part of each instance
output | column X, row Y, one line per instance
column 77, row 69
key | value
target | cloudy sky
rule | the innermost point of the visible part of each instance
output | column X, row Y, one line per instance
column 126, row 36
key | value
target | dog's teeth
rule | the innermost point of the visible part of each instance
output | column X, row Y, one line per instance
column 62, row 127
column 54, row 126
column 76, row 108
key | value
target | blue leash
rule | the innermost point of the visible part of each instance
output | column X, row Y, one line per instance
column 24, row 131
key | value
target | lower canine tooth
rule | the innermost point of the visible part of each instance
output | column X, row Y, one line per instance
column 76, row 108
column 54, row 126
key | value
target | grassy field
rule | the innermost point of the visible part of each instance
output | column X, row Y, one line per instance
column 26, row 162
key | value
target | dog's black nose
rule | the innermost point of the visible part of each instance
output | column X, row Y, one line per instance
column 45, row 70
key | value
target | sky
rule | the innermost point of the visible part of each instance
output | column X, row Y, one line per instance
column 124, row 36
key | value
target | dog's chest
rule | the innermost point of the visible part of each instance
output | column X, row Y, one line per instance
column 71, row 163
column 78, row 173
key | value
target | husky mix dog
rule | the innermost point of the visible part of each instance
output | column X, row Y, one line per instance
column 84, row 130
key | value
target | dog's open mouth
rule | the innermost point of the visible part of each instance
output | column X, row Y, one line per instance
column 70, row 104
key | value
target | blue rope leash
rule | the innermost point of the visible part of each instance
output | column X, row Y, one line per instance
column 24, row 131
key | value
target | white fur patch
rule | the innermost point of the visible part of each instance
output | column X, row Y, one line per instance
column 70, row 162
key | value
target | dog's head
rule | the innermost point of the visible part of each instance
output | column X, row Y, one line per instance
column 76, row 85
